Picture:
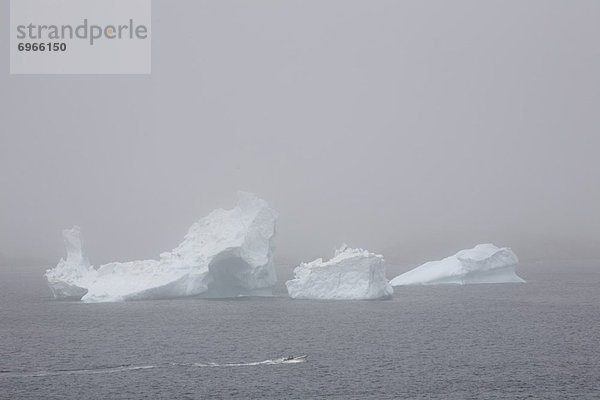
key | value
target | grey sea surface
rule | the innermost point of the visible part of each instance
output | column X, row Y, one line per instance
column 536, row 340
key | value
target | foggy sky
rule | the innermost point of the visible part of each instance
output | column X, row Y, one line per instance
column 370, row 122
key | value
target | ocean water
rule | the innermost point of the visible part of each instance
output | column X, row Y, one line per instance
column 538, row 340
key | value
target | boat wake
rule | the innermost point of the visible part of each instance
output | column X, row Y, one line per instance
column 86, row 371
column 130, row 368
column 248, row 364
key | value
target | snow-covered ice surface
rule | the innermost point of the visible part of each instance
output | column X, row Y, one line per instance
column 226, row 254
column 484, row 263
column 353, row 274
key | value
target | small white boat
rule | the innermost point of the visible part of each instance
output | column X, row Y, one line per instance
column 292, row 359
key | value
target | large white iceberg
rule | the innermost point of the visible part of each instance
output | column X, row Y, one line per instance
column 353, row 274
column 227, row 253
column 484, row 263
column 64, row 279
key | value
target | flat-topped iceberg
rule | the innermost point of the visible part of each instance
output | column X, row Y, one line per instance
column 227, row 253
column 353, row 274
column 484, row 263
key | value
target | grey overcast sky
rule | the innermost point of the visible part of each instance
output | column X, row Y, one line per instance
column 370, row 122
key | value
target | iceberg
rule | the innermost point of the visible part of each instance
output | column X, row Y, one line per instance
column 64, row 279
column 484, row 263
column 225, row 254
column 353, row 274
